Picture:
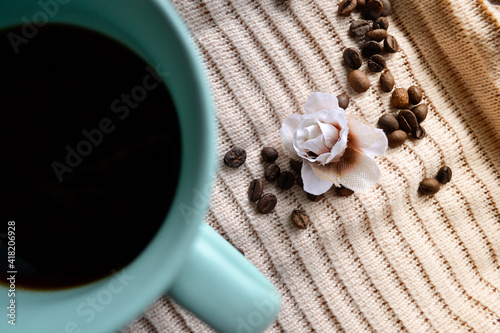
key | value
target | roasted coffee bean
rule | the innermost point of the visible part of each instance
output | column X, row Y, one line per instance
column 358, row 81
column 313, row 197
column 352, row 58
column 255, row 190
column 300, row 219
column 376, row 63
column 286, row 180
column 381, row 23
column 269, row 154
column 420, row 112
column 235, row 157
column 388, row 123
column 344, row 191
column 444, row 175
column 391, row 44
column 272, row 172
column 370, row 48
column 429, row 186
column 377, row 35
column 419, row 132
column 361, row 4
column 373, row 9
column 400, row 98
column 415, row 95
column 343, row 100
column 397, row 138
column 296, row 165
column 386, row 81
column 407, row 121
column 359, row 28
column 346, row 7
column 387, row 7
column 267, row 203
column 299, row 181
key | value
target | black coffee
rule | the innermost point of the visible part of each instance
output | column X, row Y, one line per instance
column 90, row 150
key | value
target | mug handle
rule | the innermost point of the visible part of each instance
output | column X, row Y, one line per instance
column 221, row 287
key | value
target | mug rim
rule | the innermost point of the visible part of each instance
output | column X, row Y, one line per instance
column 178, row 230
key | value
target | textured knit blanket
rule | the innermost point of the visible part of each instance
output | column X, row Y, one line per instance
column 387, row 259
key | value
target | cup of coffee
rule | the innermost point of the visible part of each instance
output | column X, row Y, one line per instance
column 108, row 144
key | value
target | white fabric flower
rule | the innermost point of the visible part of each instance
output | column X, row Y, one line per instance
column 334, row 150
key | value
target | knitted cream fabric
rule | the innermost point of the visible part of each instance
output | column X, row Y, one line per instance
column 388, row 259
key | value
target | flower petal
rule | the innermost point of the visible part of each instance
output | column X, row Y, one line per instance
column 371, row 140
column 323, row 158
column 338, row 149
column 313, row 184
column 316, row 146
column 330, row 134
column 358, row 172
column 321, row 101
column 380, row 146
column 287, row 129
column 335, row 117
column 304, row 129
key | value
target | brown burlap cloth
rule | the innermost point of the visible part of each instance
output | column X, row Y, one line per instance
column 388, row 259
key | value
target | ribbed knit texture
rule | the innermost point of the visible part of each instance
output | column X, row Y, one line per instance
column 388, row 259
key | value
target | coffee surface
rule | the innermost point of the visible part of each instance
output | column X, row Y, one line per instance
column 90, row 150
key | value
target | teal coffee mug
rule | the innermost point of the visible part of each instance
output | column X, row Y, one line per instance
column 186, row 259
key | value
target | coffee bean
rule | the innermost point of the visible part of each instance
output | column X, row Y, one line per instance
column 386, row 81
column 343, row 100
column 359, row 28
column 377, row 35
column 313, row 197
column 376, row 63
column 361, row 4
column 397, row 138
column 429, row 186
column 373, row 9
column 352, row 58
column 419, row 132
column 400, row 98
column 272, row 172
column 415, row 95
column 269, row 154
column 255, row 190
column 388, row 123
column 344, row 191
column 358, row 81
column 267, row 203
column 286, row 180
column 346, row 7
column 407, row 121
column 300, row 219
column 420, row 112
column 444, row 175
column 235, row 157
column 403, row 124
column 299, row 181
column 296, row 165
column 381, row 23
column 370, row 48
column 387, row 7
column 391, row 44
